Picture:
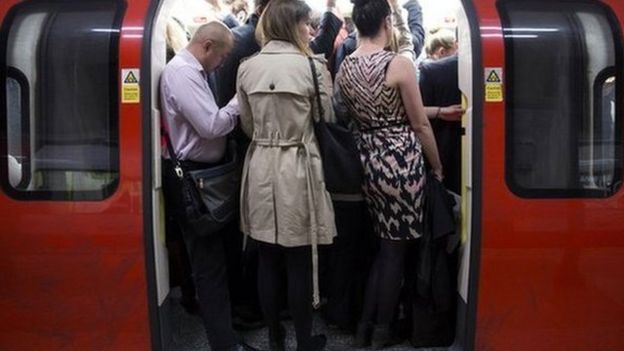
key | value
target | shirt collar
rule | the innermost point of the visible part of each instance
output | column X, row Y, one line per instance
column 191, row 60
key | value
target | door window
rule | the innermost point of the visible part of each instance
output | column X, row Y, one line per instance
column 563, row 123
column 60, row 115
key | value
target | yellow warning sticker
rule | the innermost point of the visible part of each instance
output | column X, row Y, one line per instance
column 493, row 92
column 130, row 90
column 493, row 84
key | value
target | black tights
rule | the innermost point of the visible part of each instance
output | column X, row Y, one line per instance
column 384, row 282
column 298, row 263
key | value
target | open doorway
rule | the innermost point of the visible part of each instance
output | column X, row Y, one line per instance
column 175, row 22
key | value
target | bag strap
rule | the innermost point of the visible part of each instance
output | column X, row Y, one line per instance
column 317, row 91
column 178, row 166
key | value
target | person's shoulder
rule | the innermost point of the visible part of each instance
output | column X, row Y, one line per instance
column 319, row 59
column 447, row 61
column 176, row 65
column 247, row 62
column 400, row 62
column 243, row 31
column 441, row 64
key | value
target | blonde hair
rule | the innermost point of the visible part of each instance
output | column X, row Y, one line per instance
column 279, row 22
column 440, row 38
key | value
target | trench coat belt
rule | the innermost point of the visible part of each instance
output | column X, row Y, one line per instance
column 276, row 142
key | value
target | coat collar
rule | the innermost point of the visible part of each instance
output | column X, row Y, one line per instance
column 280, row 47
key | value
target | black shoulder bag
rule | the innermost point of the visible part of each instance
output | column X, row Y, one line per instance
column 210, row 195
column 341, row 159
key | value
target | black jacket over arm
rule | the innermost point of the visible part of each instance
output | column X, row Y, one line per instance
column 329, row 28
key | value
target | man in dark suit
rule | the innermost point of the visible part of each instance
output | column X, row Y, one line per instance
column 439, row 88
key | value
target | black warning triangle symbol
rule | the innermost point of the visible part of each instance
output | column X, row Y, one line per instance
column 131, row 78
column 493, row 77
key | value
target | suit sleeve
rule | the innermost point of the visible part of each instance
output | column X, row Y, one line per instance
column 415, row 23
column 345, row 49
column 323, row 43
column 426, row 85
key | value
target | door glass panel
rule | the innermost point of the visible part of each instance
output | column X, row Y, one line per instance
column 66, row 53
column 563, row 138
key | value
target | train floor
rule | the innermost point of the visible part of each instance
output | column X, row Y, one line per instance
column 189, row 335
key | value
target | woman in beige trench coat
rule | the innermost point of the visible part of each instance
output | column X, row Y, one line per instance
column 284, row 204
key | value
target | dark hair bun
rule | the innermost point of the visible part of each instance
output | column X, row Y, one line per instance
column 368, row 15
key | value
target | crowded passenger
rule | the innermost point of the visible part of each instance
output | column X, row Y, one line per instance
column 393, row 135
column 441, row 43
column 284, row 204
column 415, row 28
column 262, row 71
column 349, row 259
column 439, row 87
column 243, row 276
column 197, row 130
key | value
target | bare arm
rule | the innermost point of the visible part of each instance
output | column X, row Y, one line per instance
column 446, row 113
column 402, row 75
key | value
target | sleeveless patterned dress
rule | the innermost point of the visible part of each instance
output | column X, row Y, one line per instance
column 389, row 149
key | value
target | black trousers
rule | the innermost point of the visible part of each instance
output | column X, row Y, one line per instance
column 207, row 257
column 348, row 265
column 298, row 264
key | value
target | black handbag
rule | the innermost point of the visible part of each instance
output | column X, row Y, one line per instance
column 210, row 195
column 341, row 159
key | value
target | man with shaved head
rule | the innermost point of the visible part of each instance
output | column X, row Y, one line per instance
column 198, row 130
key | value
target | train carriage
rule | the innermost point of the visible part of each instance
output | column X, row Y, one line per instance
column 82, row 254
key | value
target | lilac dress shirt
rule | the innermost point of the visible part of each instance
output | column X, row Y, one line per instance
column 197, row 127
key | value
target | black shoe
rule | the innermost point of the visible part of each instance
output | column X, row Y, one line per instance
column 363, row 335
column 316, row 343
column 277, row 338
column 384, row 336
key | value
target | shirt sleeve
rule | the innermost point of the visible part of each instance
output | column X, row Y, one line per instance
column 191, row 96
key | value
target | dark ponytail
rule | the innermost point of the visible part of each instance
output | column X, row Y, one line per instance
column 368, row 16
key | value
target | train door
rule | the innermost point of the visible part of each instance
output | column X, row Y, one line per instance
column 72, row 245
column 548, row 173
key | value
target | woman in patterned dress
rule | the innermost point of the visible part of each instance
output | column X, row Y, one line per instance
column 381, row 92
